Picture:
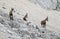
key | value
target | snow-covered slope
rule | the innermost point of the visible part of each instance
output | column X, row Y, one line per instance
column 19, row 29
column 35, row 15
column 35, row 12
column 48, row 4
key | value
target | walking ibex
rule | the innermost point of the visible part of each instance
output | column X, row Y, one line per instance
column 11, row 14
column 43, row 22
column 24, row 18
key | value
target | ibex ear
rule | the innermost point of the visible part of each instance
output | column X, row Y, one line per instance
column 47, row 18
column 26, row 14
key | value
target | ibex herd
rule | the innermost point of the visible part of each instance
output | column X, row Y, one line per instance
column 43, row 22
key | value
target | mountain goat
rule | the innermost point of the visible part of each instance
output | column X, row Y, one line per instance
column 11, row 14
column 24, row 18
column 43, row 22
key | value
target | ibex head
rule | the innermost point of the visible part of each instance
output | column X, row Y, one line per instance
column 12, row 9
column 46, row 18
column 26, row 16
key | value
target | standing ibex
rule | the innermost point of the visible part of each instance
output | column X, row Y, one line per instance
column 24, row 18
column 11, row 14
column 43, row 22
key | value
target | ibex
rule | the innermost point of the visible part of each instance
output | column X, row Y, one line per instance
column 43, row 22
column 24, row 18
column 11, row 14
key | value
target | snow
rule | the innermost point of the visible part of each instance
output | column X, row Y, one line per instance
column 18, row 28
column 47, row 4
